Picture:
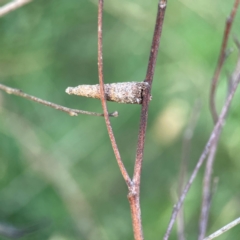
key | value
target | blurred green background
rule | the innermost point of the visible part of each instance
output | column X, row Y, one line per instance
column 61, row 169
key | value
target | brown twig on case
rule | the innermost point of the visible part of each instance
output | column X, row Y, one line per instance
column 133, row 185
column 134, row 198
column 70, row 111
column 207, row 179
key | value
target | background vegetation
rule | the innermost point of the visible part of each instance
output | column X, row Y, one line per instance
column 60, row 169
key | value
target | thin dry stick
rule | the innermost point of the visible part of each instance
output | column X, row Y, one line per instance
column 134, row 196
column 187, row 138
column 223, row 229
column 133, row 186
column 9, row 7
column 103, row 99
column 221, row 60
column 206, row 199
column 217, row 130
column 71, row 112
column 147, row 93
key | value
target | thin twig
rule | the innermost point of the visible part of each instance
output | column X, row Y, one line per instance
column 223, row 229
column 71, row 112
column 134, row 195
column 206, row 199
column 207, row 179
column 147, row 93
column 15, row 4
column 103, row 99
column 186, row 145
column 216, row 131
column 221, row 60
column 133, row 186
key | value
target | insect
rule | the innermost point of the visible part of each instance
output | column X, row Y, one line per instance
column 125, row 92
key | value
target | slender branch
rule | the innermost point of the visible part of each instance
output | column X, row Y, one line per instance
column 134, row 195
column 133, row 186
column 221, row 60
column 147, row 93
column 15, row 4
column 206, row 199
column 103, row 99
column 71, row 112
column 223, row 229
column 216, row 131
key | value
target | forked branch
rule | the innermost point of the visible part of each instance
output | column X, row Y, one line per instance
column 134, row 196
column 216, row 131
column 133, row 185
column 221, row 60
column 206, row 199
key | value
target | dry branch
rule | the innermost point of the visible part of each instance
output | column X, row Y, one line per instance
column 216, row 131
column 71, row 112
column 9, row 7
column 103, row 99
column 147, row 93
column 221, row 60
column 206, row 199
column 223, row 229
column 133, row 185
column 134, row 196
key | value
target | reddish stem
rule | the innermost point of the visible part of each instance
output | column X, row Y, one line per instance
column 134, row 185
column 134, row 196
column 147, row 93
column 221, row 60
column 103, row 99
